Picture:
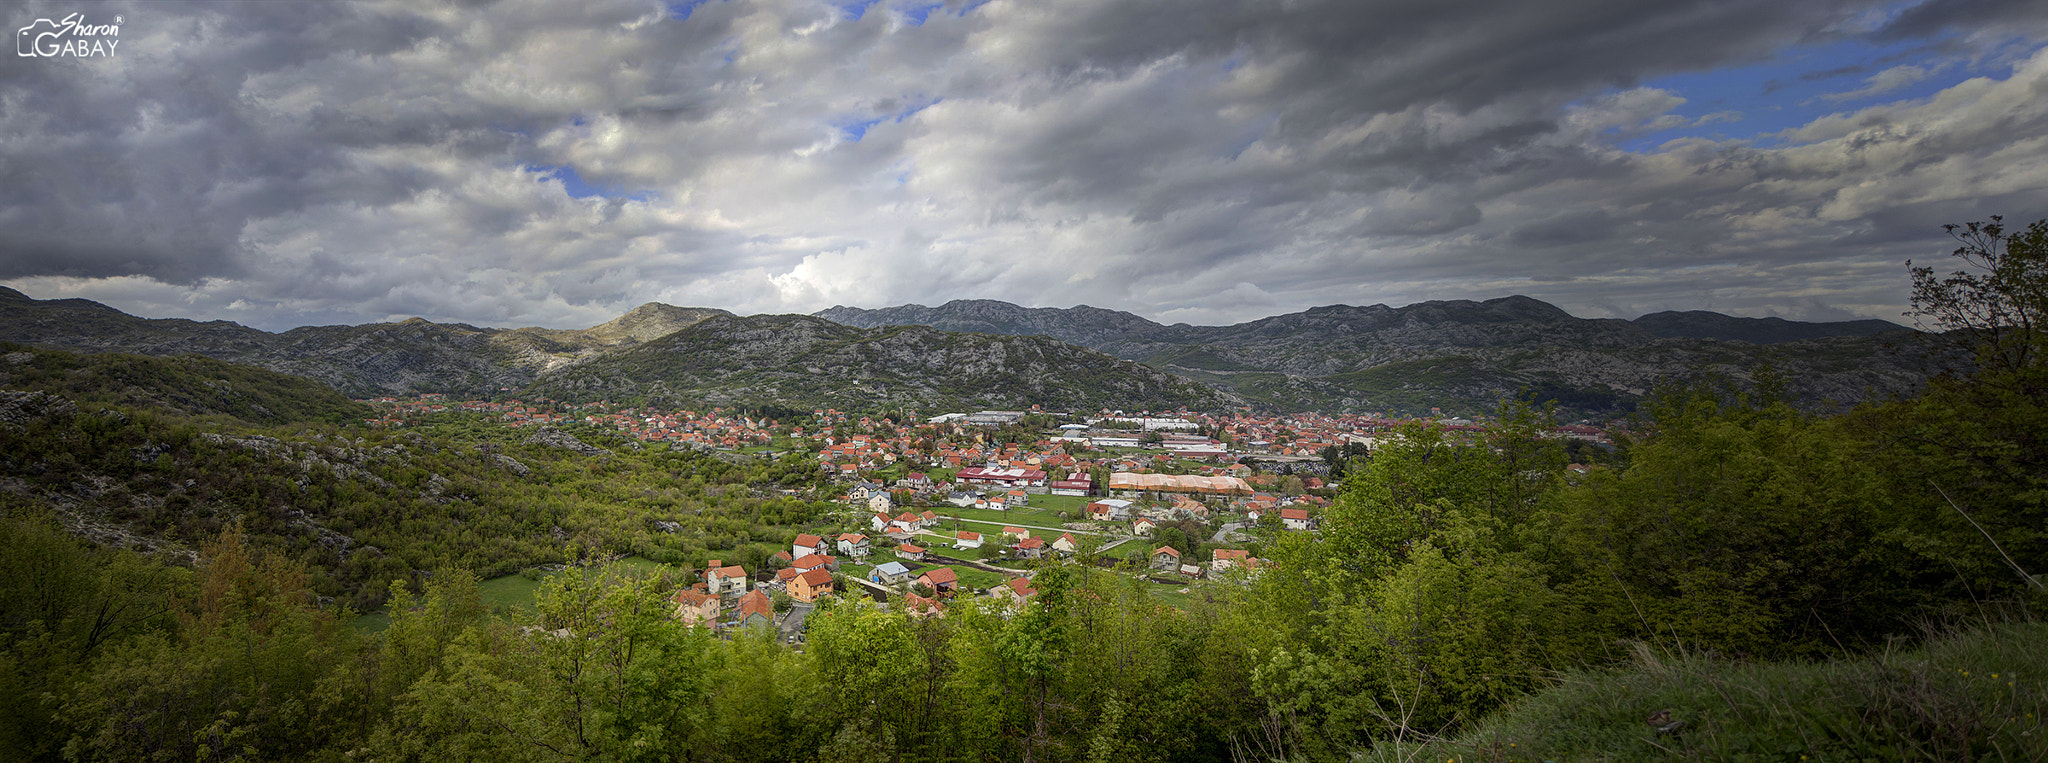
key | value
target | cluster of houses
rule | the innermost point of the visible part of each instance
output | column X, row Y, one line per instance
column 1168, row 559
column 952, row 441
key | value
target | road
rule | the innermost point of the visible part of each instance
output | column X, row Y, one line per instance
column 1031, row 527
column 1223, row 532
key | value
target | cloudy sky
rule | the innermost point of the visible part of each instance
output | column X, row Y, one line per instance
column 521, row 163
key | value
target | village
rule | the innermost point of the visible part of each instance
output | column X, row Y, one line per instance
column 938, row 509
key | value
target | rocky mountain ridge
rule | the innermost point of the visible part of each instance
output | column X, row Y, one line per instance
column 414, row 355
column 804, row 361
column 1467, row 354
column 1454, row 355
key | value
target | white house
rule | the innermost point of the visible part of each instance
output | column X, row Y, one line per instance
column 855, row 545
column 807, row 544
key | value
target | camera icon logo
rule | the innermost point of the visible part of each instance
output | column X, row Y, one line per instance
column 29, row 40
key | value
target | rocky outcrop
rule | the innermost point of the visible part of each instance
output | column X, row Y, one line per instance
column 556, row 438
column 19, row 408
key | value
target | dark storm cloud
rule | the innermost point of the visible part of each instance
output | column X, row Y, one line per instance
column 280, row 163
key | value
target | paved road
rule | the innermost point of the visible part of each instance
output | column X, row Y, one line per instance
column 792, row 622
column 1032, row 527
column 1224, row 531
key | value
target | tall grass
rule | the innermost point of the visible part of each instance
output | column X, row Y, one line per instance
column 1975, row 695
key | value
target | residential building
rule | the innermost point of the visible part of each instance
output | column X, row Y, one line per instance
column 1031, row 548
column 807, row 543
column 940, row 579
column 755, row 610
column 726, row 581
column 1015, row 591
column 855, row 545
column 811, row 585
column 696, row 607
column 1066, row 544
column 1166, row 558
column 889, row 573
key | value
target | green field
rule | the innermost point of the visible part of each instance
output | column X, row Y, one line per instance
column 506, row 593
column 1057, row 503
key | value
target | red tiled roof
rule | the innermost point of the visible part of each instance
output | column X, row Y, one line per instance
column 756, row 602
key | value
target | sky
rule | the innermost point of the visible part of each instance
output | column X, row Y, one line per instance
column 523, row 163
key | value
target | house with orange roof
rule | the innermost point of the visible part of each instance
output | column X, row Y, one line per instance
column 940, row 579
column 811, row 585
column 807, row 543
column 1015, row 591
column 815, row 561
column 910, row 551
column 919, row 607
column 695, row 607
column 967, row 539
column 1031, row 548
column 725, row 581
column 1166, row 558
column 1066, row 544
column 855, row 545
column 1225, row 558
column 755, row 610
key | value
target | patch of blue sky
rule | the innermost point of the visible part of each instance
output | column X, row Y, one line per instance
column 574, row 184
column 854, row 9
column 916, row 14
column 1797, row 86
column 856, row 128
column 681, row 9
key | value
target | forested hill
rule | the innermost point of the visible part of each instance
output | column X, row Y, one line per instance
column 185, row 384
column 801, row 361
column 1464, row 355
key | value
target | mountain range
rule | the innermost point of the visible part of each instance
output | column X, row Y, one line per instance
column 1462, row 354
column 653, row 352
column 1458, row 356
